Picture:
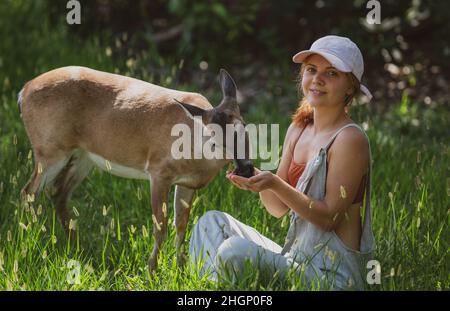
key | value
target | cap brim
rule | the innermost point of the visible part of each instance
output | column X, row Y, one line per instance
column 333, row 60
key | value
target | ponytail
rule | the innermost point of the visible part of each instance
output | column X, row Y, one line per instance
column 304, row 114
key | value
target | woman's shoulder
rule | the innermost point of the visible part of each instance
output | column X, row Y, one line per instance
column 352, row 135
column 294, row 130
column 351, row 140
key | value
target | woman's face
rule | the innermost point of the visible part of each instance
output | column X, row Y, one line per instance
column 322, row 84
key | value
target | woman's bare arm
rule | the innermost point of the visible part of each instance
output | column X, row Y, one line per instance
column 270, row 200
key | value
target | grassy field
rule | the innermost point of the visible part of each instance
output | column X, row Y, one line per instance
column 410, row 217
column 411, row 189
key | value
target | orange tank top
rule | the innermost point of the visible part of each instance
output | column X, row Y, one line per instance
column 294, row 172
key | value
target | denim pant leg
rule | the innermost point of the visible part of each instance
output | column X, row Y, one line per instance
column 234, row 253
column 218, row 233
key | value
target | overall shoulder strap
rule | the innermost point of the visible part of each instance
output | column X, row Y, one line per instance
column 330, row 142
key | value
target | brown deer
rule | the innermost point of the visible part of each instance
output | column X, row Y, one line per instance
column 77, row 118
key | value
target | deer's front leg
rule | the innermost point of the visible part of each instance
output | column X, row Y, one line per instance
column 160, row 190
column 182, row 202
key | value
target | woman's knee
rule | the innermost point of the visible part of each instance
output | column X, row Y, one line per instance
column 206, row 226
column 211, row 217
column 210, row 222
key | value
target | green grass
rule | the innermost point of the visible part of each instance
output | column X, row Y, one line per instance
column 410, row 197
column 410, row 219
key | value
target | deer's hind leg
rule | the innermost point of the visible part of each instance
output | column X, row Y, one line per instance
column 46, row 168
column 76, row 169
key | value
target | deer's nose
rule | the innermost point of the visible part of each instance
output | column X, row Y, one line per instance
column 244, row 168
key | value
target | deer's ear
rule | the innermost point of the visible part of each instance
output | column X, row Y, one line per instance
column 191, row 110
column 227, row 84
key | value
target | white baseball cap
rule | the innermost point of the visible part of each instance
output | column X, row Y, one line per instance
column 341, row 52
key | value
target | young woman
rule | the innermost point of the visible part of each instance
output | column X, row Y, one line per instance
column 324, row 173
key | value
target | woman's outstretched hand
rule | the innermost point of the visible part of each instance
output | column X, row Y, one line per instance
column 262, row 180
